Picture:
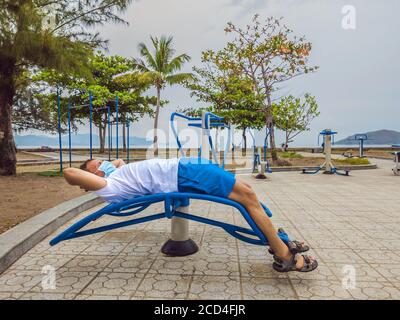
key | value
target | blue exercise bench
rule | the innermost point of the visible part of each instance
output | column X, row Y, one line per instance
column 172, row 202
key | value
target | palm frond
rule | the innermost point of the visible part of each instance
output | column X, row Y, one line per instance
column 140, row 65
column 177, row 63
column 146, row 54
column 178, row 78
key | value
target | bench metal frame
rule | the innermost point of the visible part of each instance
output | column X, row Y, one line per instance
column 173, row 202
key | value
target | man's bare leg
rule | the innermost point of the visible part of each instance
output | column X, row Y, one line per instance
column 245, row 195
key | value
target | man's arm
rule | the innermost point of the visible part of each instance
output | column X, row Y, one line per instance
column 118, row 163
column 84, row 179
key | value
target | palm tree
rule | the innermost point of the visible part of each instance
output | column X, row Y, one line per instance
column 161, row 66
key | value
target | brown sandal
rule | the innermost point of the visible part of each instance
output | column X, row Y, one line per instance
column 293, row 245
column 281, row 265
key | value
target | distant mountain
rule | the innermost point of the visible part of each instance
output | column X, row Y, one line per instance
column 77, row 140
column 379, row 137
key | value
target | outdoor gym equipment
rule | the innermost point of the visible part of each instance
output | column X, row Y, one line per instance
column 91, row 110
column 329, row 168
column 108, row 116
column 396, row 168
column 264, row 165
column 127, row 124
column 206, row 122
column 361, row 138
column 176, row 205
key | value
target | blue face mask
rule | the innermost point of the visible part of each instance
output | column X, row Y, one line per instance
column 107, row 167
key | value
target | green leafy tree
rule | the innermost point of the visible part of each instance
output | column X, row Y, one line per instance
column 269, row 54
column 27, row 114
column 228, row 92
column 104, row 86
column 161, row 66
column 294, row 116
column 44, row 34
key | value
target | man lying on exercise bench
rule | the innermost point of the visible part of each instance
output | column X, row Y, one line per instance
column 116, row 181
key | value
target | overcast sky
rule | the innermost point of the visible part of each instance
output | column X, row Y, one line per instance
column 357, row 86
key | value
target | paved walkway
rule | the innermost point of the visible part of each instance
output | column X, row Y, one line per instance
column 351, row 223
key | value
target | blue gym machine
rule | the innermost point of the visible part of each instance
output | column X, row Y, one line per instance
column 264, row 165
column 91, row 109
column 176, row 205
column 361, row 137
column 328, row 139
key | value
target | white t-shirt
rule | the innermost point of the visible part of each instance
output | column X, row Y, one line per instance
column 141, row 178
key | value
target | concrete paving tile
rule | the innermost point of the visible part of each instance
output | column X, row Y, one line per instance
column 214, row 287
column 130, row 264
column 251, row 252
column 382, row 256
column 36, row 262
column 10, row 295
column 218, row 251
column 101, row 249
column 67, row 282
column 320, row 290
column 19, row 280
column 143, row 250
column 217, row 267
column 391, row 271
column 114, row 284
column 362, row 272
column 117, row 236
column 88, row 263
column 347, row 256
column 98, row 297
column 375, row 291
column 259, row 269
column 173, row 265
column 268, row 289
column 63, row 248
column 47, row 296
column 163, row 286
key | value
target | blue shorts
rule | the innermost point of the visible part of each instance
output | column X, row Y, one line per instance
column 199, row 176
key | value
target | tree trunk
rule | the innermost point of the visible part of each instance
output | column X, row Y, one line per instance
column 101, row 136
column 244, row 147
column 270, row 124
column 124, row 136
column 155, row 140
column 8, row 158
column 286, row 142
column 272, row 141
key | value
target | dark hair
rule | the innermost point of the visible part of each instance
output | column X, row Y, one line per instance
column 83, row 166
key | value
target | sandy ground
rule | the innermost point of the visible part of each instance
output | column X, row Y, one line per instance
column 28, row 156
column 387, row 154
column 28, row 194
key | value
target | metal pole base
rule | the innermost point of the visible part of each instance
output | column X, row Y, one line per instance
column 179, row 248
column 261, row 176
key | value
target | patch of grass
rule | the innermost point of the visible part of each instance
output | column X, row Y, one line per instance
column 49, row 174
column 353, row 161
column 290, row 155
